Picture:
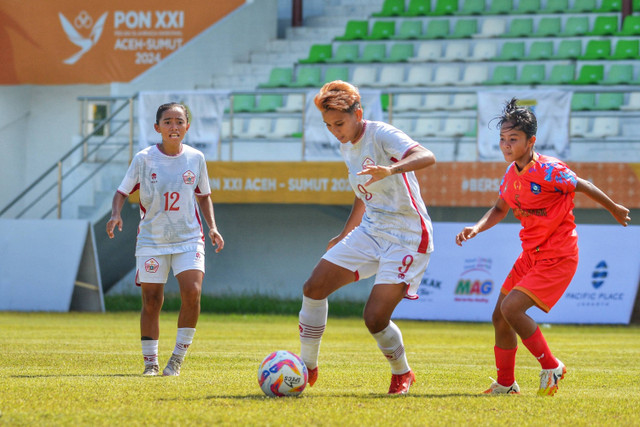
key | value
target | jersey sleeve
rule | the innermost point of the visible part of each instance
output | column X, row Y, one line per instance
column 395, row 142
column 203, row 188
column 564, row 180
column 131, row 180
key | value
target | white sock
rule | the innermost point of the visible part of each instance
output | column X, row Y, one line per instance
column 390, row 343
column 312, row 321
column 150, row 352
column 184, row 338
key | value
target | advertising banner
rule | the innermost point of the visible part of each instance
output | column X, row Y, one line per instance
column 463, row 283
column 78, row 41
column 551, row 107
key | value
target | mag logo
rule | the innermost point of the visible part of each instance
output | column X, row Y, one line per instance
column 476, row 282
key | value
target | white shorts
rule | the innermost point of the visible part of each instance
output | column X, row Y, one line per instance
column 155, row 269
column 392, row 263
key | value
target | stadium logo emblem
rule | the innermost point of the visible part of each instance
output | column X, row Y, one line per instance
column 599, row 274
column 151, row 265
column 82, row 21
column 535, row 188
column 189, row 177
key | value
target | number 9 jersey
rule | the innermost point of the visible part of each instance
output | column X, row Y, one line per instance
column 169, row 218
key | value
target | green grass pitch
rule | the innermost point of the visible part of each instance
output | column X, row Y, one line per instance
column 84, row 369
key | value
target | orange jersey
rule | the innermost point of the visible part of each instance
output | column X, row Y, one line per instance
column 541, row 197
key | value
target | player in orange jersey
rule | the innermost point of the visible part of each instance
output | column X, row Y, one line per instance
column 540, row 190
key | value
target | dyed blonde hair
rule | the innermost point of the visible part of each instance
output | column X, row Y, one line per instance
column 338, row 95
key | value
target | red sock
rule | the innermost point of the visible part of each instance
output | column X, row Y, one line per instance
column 537, row 345
column 505, row 364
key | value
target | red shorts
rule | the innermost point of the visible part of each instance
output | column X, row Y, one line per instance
column 543, row 280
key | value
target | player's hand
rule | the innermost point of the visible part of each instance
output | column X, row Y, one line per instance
column 466, row 234
column 112, row 223
column 377, row 173
column 216, row 239
column 621, row 214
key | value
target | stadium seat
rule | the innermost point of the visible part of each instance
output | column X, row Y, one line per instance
column 464, row 29
column 520, row 27
column 436, row 29
column 569, row 49
column 540, row 50
column 575, row 26
column 436, row 101
column 583, row 6
column 464, row 101
column 528, row 6
column 484, row 50
column 604, row 127
column 399, row 52
column 454, row 127
column 633, row 103
column 500, row 7
column 382, row 30
column 578, row 126
column 318, row 53
column 610, row 6
column 626, row 49
column 474, row 74
column 562, row 74
column 279, row 77
column 631, row 25
column 609, row 101
column 444, row 7
column 427, row 52
column 604, row 26
column 456, row 51
column 292, row 104
column 446, row 75
column 492, row 27
column 532, row 74
column 549, row 27
column 418, row 76
column 336, row 73
column 404, row 124
column 390, row 75
column 619, row 74
column 511, row 51
column 355, row 30
column 427, row 126
column 418, row 8
column 407, row 102
column 364, row 76
column 286, row 127
column 244, row 103
column 590, row 74
column 308, row 77
column 409, row 30
column 384, row 101
column 503, row 75
column 391, row 8
column 268, row 103
column 597, row 49
column 472, row 7
column 556, row 6
column 258, row 127
column 373, row 52
column 346, row 52
column 583, row 101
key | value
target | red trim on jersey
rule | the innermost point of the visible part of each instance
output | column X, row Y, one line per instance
column 410, row 297
column 200, row 223
column 138, row 278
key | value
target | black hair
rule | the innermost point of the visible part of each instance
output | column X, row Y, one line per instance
column 518, row 117
column 168, row 106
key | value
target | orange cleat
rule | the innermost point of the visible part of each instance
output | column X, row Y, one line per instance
column 400, row 383
column 313, row 376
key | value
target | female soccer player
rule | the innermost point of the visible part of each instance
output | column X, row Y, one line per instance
column 171, row 177
column 388, row 232
column 540, row 190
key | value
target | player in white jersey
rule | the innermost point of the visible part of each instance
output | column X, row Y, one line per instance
column 173, row 181
column 388, row 232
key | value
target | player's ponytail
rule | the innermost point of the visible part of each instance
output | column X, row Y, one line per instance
column 518, row 117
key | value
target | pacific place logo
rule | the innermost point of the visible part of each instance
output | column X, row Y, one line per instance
column 475, row 283
column 82, row 24
column 599, row 274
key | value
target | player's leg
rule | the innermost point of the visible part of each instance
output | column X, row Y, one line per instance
column 505, row 348
column 152, row 299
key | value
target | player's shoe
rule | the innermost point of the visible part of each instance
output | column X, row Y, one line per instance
column 497, row 388
column 173, row 366
column 151, row 370
column 549, row 379
column 313, row 376
column 400, row 383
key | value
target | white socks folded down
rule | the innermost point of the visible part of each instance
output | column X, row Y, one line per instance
column 312, row 321
column 184, row 338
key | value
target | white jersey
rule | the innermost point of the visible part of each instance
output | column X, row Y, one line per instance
column 394, row 207
column 169, row 218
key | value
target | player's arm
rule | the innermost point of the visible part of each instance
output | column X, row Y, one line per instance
column 493, row 216
column 619, row 212
column 416, row 158
column 116, row 219
column 355, row 217
column 206, row 207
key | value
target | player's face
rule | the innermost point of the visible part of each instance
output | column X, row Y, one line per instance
column 344, row 126
column 515, row 146
column 173, row 125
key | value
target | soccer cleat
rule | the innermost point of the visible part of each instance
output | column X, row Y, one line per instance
column 400, row 383
column 313, row 376
column 173, row 366
column 549, row 379
column 151, row 370
column 497, row 388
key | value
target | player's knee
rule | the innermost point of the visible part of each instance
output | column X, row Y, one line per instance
column 313, row 289
column 374, row 322
column 191, row 294
column 152, row 303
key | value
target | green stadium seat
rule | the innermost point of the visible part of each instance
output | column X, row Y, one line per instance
column 503, row 75
column 556, row 6
column 445, row 7
column 318, row 53
column 549, row 27
column 391, row 8
column 500, row 7
column 583, row 6
column 418, row 8
column 382, row 30
column 583, row 101
column 604, row 26
column 569, row 49
column 346, row 52
column 244, row 103
column 472, row 7
column 540, row 50
column 631, row 24
column 619, row 74
column 562, row 74
column 575, row 26
column 528, row 6
column 384, row 100
column 355, row 30
column 520, row 27
column 532, row 74
column 626, row 49
column 400, row 52
column 307, row 77
column 609, row 101
column 279, row 77
column 336, row 73
column 511, row 51
column 590, row 75
column 373, row 52
column 409, row 30
column 268, row 103
column 610, row 6
column 464, row 29
column 597, row 49
column 436, row 29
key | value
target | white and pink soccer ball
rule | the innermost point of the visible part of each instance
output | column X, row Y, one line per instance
column 282, row 373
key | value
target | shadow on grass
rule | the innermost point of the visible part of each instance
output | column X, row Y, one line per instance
column 372, row 396
column 73, row 375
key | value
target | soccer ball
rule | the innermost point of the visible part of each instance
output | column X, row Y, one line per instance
column 282, row 373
